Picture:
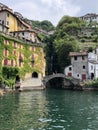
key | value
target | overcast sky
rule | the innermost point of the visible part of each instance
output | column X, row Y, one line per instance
column 52, row 10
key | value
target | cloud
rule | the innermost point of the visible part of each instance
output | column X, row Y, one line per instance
column 51, row 10
column 58, row 8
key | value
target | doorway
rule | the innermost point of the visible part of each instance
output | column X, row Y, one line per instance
column 92, row 76
column 34, row 75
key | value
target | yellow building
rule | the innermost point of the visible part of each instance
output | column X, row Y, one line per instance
column 27, row 57
column 9, row 19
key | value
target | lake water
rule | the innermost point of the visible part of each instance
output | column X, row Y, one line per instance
column 49, row 110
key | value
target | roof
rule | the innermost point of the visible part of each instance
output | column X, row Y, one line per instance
column 89, row 15
column 78, row 54
column 26, row 30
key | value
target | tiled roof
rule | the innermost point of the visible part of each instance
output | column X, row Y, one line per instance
column 90, row 15
column 77, row 53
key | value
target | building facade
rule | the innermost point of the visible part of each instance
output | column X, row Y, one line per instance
column 90, row 17
column 4, row 28
column 9, row 19
column 29, row 35
column 68, row 71
column 79, row 65
column 18, row 53
column 27, row 57
column 84, row 65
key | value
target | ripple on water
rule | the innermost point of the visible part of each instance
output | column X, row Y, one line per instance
column 44, row 120
column 58, row 126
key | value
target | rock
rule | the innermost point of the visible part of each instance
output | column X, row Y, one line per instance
column 1, row 92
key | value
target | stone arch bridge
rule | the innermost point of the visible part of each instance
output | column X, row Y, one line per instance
column 68, row 82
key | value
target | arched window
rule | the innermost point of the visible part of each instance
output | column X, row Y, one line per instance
column 34, row 75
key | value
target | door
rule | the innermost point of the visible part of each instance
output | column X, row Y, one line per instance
column 70, row 74
column 83, row 76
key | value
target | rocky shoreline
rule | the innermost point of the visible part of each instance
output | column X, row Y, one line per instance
column 4, row 91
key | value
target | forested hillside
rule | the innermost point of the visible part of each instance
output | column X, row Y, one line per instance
column 72, row 34
column 44, row 25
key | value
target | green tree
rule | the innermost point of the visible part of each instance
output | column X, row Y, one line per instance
column 63, row 47
column 70, row 25
column 65, row 41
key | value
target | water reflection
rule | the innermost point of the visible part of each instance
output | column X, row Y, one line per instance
column 49, row 110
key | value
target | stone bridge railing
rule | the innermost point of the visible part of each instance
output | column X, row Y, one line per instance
column 47, row 78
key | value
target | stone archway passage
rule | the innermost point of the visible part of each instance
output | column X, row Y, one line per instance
column 34, row 75
column 17, row 82
column 17, row 78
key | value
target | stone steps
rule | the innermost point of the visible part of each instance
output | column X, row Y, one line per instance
column 31, row 84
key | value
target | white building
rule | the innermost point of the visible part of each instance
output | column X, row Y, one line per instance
column 84, row 65
column 90, row 17
column 93, row 64
column 68, row 71
column 29, row 35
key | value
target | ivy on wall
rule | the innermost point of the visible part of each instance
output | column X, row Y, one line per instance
column 27, row 54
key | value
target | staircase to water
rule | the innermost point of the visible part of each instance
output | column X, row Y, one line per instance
column 31, row 84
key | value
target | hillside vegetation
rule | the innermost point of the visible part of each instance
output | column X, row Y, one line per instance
column 72, row 34
column 44, row 25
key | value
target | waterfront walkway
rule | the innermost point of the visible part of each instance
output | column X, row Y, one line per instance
column 31, row 84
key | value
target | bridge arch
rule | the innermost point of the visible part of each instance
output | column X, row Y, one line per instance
column 61, row 79
column 58, row 75
column 54, row 81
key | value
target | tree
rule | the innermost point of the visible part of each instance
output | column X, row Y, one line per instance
column 63, row 47
column 70, row 25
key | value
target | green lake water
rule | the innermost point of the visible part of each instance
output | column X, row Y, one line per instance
column 49, row 110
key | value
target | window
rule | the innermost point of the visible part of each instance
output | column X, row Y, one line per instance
column 70, row 68
column 2, row 21
column 7, row 14
column 13, row 34
column 83, row 66
column 77, row 75
column 19, row 63
column 20, row 47
column 91, row 67
column 5, row 52
column 32, row 48
column 12, row 63
column 32, row 61
column 23, row 33
column 6, row 42
column 14, row 52
column 83, row 58
column 75, row 57
column 7, row 22
column 5, row 61
column 14, row 44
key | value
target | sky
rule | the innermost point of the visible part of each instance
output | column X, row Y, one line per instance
column 52, row 10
